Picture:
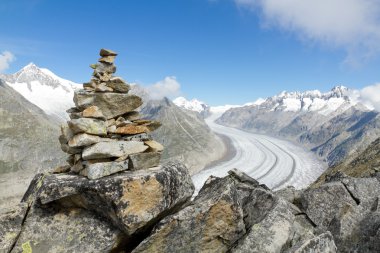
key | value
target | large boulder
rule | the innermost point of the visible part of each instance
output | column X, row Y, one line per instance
column 348, row 208
column 111, row 104
column 52, row 229
column 133, row 200
column 272, row 233
column 217, row 218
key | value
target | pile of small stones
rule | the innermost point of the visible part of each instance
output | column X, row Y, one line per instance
column 105, row 134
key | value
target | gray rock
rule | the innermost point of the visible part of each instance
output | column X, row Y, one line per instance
column 144, row 160
column 113, row 149
column 323, row 203
column 324, row 243
column 102, row 67
column 81, row 140
column 137, row 137
column 88, row 125
column 52, row 229
column 111, row 104
column 271, row 234
column 133, row 200
column 118, row 85
column 67, row 149
column 11, row 222
column 290, row 194
column 216, row 219
column 98, row 170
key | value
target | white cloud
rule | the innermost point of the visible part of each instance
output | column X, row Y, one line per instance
column 369, row 96
column 6, row 58
column 353, row 25
column 169, row 87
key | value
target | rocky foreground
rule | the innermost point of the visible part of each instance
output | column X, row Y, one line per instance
column 151, row 210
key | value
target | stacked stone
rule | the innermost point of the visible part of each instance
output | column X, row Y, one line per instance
column 105, row 134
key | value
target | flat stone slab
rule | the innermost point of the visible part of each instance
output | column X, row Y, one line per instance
column 113, row 149
column 111, row 104
column 144, row 160
column 99, row 170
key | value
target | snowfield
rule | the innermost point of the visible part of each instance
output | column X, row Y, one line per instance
column 276, row 163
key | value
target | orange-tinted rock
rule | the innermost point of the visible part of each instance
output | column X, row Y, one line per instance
column 93, row 112
column 132, row 129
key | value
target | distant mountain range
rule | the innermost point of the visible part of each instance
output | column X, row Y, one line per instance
column 332, row 124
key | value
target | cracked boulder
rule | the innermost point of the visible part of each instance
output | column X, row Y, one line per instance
column 348, row 208
column 272, row 233
column 133, row 200
column 52, row 229
column 217, row 218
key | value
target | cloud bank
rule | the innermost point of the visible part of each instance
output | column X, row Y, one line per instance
column 353, row 25
column 368, row 96
column 168, row 87
column 6, row 58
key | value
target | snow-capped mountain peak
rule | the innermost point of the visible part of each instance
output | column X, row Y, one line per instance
column 314, row 100
column 43, row 88
column 192, row 105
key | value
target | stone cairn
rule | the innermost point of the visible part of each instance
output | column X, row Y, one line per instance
column 105, row 134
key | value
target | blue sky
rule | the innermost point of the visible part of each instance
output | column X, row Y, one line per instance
column 226, row 51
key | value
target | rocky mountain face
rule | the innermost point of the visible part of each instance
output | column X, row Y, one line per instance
column 363, row 164
column 330, row 124
column 27, row 143
column 188, row 138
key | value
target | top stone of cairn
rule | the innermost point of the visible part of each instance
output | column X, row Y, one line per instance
column 107, row 52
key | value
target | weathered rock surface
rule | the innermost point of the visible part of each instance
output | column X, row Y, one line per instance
column 272, row 233
column 324, row 243
column 51, row 229
column 144, row 160
column 11, row 222
column 113, row 149
column 118, row 85
column 214, row 221
column 83, row 139
column 88, row 125
column 348, row 208
column 93, row 112
column 133, row 201
column 111, row 104
column 98, row 170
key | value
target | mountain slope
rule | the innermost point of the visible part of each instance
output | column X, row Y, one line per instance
column 43, row 88
column 363, row 164
column 330, row 123
column 28, row 142
column 184, row 134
